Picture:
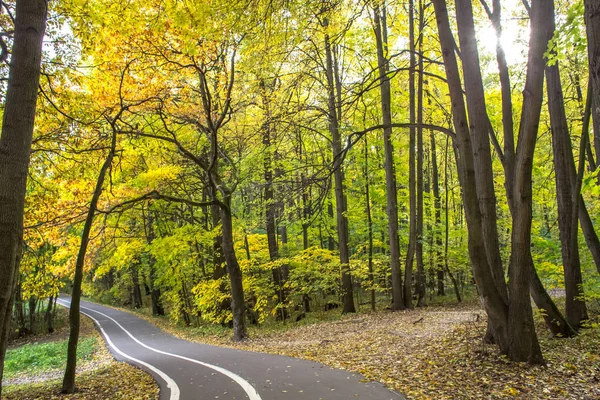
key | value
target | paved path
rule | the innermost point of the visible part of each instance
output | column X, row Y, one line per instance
column 186, row 370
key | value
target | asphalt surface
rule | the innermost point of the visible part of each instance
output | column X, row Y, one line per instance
column 186, row 370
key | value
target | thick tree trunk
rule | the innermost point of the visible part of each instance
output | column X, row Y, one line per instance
column 390, row 172
column 553, row 317
column 524, row 345
column 493, row 301
column 479, row 128
column 15, row 146
column 338, row 174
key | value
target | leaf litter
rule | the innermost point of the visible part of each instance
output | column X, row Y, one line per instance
column 432, row 353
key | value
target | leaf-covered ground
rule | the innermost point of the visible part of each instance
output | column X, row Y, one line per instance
column 99, row 377
column 434, row 353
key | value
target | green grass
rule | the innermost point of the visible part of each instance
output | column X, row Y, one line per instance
column 36, row 357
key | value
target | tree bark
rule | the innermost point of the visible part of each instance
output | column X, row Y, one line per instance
column 479, row 128
column 15, row 146
column 371, row 276
column 68, row 385
column 157, row 307
column 592, row 25
column 493, row 301
column 338, row 174
column 437, row 205
column 420, row 281
column 271, row 210
column 390, row 173
column 412, row 184
column 235, row 273
column 524, row 345
column 564, row 173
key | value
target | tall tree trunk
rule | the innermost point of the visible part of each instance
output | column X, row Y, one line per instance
column 15, row 146
column 493, row 301
column 564, row 172
column 390, row 173
column 553, row 317
column 479, row 128
column 420, row 280
column 68, row 385
column 524, row 345
column 338, row 174
column 412, row 185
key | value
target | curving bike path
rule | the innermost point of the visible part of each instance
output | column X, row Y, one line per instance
column 189, row 371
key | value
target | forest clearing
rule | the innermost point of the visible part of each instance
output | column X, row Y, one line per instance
column 404, row 189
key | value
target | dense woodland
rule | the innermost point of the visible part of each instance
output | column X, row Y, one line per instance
column 230, row 162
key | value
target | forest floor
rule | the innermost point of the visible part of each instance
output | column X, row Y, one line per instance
column 99, row 377
column 430, row 353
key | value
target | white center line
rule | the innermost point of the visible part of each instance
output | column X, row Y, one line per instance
column 170, row 382
column 245, row 385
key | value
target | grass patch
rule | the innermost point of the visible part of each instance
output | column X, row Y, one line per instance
column 38, row 357
column 117, row 381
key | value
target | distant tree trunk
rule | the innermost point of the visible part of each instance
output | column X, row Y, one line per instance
column 447, row 226
column 564, row 172
column 271, row 209
column 371, row 276
column 338, row 174
column 218, row 256
column 136, row 291
column 15, row 146
column 437, row 205
column 19, row 307
column 390, row 173
column 49, row 318
column 157, row 307
column 32, row 304
column 412, row 184
column 68, row 385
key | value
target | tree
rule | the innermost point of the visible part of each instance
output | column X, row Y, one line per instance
column 379, row 22
column 15, row 146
